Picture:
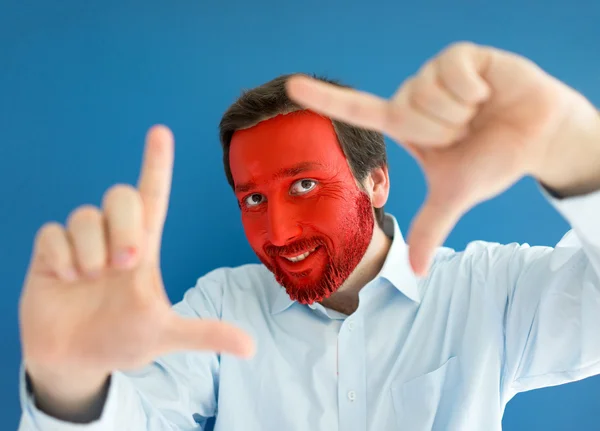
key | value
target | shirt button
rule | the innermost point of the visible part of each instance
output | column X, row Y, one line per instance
column 351, row 395
column 350, row 325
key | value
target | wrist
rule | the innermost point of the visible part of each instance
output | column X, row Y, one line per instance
column 572, row 166
column 74, row 396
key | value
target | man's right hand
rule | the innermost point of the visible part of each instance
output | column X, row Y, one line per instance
column 94, row 300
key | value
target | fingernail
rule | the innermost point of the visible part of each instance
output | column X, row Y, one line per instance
column 123, row 257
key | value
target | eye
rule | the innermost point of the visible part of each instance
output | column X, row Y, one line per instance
column 254, row 200
column 302, row 186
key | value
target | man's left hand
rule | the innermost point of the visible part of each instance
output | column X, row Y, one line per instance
column 477, row 119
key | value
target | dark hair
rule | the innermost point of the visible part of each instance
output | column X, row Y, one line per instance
column 364, row 149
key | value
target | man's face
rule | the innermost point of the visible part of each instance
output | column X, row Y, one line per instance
column 302, row 211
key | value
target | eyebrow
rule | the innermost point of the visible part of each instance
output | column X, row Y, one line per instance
column 282, row 173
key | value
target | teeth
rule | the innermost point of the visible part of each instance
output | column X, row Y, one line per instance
column 300, row 257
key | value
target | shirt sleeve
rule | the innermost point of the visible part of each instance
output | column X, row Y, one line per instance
column 550, row 300
column 175, row 392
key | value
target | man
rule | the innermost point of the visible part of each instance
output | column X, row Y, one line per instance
column 344, row 335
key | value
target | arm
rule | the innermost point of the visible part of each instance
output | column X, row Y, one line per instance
column 551, row 303
column 476, row 119
column 94, row 302
column 175, row 392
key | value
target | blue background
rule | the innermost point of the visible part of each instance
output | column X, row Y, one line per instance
column 81, row 83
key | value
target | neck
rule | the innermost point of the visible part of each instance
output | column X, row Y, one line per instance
column 345, row 299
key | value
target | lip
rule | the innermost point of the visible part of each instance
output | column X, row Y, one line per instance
column 303, row 265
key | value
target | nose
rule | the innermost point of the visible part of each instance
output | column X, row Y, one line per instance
column 283, row 225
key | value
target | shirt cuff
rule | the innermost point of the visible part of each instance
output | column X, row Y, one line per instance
column 35, row 419
column 582, row 213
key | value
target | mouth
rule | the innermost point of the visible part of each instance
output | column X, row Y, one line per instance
column 300, row 257
column 301, row 263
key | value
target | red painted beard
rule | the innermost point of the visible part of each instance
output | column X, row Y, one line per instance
column 326, row 268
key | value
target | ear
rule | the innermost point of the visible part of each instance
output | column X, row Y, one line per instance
column 377, row 185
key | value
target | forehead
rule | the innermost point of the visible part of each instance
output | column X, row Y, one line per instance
column 283, row 141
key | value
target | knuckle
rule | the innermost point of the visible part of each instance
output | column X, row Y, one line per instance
column 460, row 47
column 91, row 260
column 84, row 214
column 91, row 266
column 50, row 242
column 406, row 86
column 394, row 115
column 48, row 231
column 424, row 96
column 56, row 258
column 119, row 193
column 354, row 109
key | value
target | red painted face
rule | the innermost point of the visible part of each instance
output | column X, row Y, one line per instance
column 302, row 211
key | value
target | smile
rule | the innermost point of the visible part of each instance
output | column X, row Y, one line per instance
column 300, row 257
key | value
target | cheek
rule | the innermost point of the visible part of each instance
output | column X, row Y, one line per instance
column 255, row 229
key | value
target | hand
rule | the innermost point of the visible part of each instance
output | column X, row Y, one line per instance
column 476, row 119
column 94, row 300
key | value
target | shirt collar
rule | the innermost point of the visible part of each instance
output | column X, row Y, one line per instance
column 396, row 269
column 280, row 300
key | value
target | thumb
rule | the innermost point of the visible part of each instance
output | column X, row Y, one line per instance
column 431, row 227
column 205, row 335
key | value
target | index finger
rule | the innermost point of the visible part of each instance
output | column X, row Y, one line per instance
column 344, row 104
column 154, row 183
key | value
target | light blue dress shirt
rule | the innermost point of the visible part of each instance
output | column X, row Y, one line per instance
column 446, row 352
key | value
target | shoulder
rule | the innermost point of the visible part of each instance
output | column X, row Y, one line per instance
column 222, row 289
column 483, row 272
column 477, row 255
column 481, row 268
column 239, row 277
